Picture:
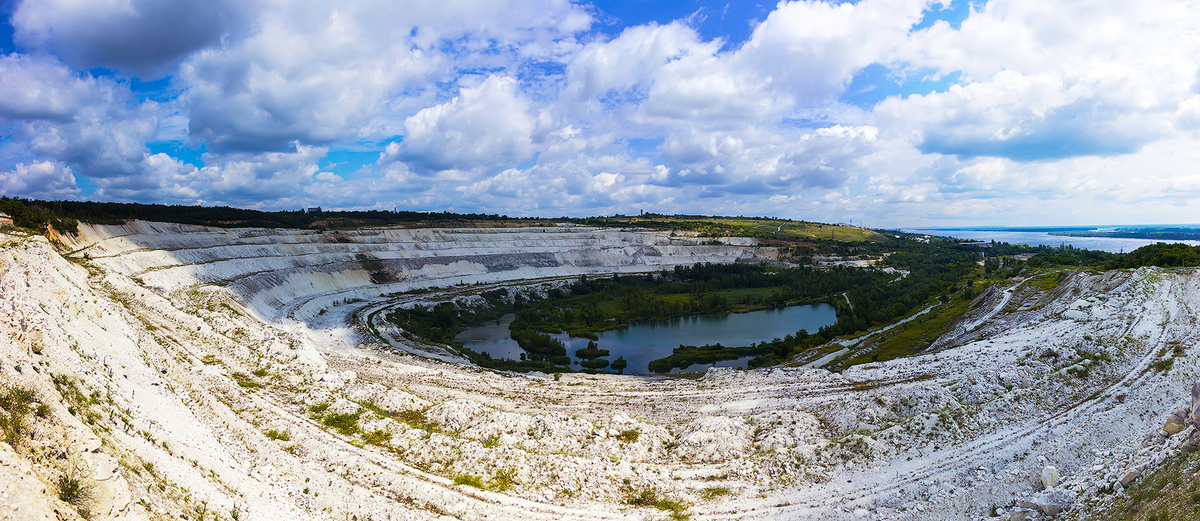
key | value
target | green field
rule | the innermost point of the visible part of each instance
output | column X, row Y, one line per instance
column 770, row 229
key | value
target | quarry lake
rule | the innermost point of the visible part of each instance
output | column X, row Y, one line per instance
column 642, row 342
column 1041, row 238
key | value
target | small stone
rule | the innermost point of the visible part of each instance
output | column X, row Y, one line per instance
column 1128, row 477
column 1049, row 477
column 1176, row 423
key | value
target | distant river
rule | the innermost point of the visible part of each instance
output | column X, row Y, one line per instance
column 642, row 342
column 1113, row 245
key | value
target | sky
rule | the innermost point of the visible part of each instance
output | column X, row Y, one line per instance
column 887, row 113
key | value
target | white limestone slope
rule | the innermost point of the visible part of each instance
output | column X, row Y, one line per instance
column 196, row 351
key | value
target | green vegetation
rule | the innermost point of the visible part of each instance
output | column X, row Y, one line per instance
column 684, row 356
column 1160, row 254
column 1171, row 491
column 76, row 488
column 766, row 228
column 15, row 401
column 711, row 493
column 914, row 336
column 278, row 436
column 37, row 215
column 619, row 364
column 504, row 480
column 244, row 380
column 629, row 436
column 650, row 498
column 345, row 423
column 469, row 480
column 377, row 437
column 62, row 215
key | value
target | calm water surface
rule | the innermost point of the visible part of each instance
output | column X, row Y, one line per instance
column 1109, row 244
column 642, row 342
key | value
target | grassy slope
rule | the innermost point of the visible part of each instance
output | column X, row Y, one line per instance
column 760, row 228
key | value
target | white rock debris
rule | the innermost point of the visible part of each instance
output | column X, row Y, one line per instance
column 198, row 372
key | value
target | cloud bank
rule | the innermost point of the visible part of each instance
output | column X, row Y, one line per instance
column 889, row 112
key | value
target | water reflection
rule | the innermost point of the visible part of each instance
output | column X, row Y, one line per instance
column 642, row 342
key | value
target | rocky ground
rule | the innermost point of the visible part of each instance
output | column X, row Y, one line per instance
column 216, row 374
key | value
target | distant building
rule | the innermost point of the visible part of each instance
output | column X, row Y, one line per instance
column 314, row 209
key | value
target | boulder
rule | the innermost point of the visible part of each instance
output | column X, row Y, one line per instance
column 1177, row 422
column 1049, row 477
column 1128, row 477
column 1018, row 514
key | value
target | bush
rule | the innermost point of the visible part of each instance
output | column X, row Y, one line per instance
column 377, row 437
column 598, row 363
column 15, row 401
column 504, row 479
column 469, row 480
column 76, row 489
column 278, row 436
column 345, row 423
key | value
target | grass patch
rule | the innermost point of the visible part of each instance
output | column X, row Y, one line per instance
column 711, row 493
column 1172, row 491
column 16, row 403
column 913, row 336
column 1163, row 365
column 210, row 360
column 650, row 498
column 629, row 436
column 377, row 437
column 504, row 479
column 469, row 480
column 244, row 380
column 75, row 488
column 278, row 436
column 345, row 423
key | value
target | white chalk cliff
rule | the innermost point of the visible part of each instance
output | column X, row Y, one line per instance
column 190, row 371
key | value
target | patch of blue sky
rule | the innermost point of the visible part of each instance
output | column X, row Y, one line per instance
column 644, row 147
column 348, row 161
column 730, row 20
column 182, row 152
column 876, row 82
column 529, row 164
column 6, row 29
column 954, row 14
column 86, row 186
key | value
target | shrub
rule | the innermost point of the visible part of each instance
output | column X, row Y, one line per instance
column 15, row 401
column 345, row 423
column 629, row 436
column 278, row 436
column 598, row 363
column 377, row 437
column 76, row 489
column 650, row 498
column 245, row 381
column 469, row 480
column 504, row 479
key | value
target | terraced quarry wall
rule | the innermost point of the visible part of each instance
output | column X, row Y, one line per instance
column 276, row 272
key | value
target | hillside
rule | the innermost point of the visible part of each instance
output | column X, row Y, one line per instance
column 212, row 373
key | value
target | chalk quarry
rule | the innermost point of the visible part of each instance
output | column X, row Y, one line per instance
column 191, row 372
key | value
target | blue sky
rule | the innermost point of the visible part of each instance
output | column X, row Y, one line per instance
column 905, row 112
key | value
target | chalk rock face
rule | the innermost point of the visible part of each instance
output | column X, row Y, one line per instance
column 455, row 415
column 23, row 497
column 715, row 438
